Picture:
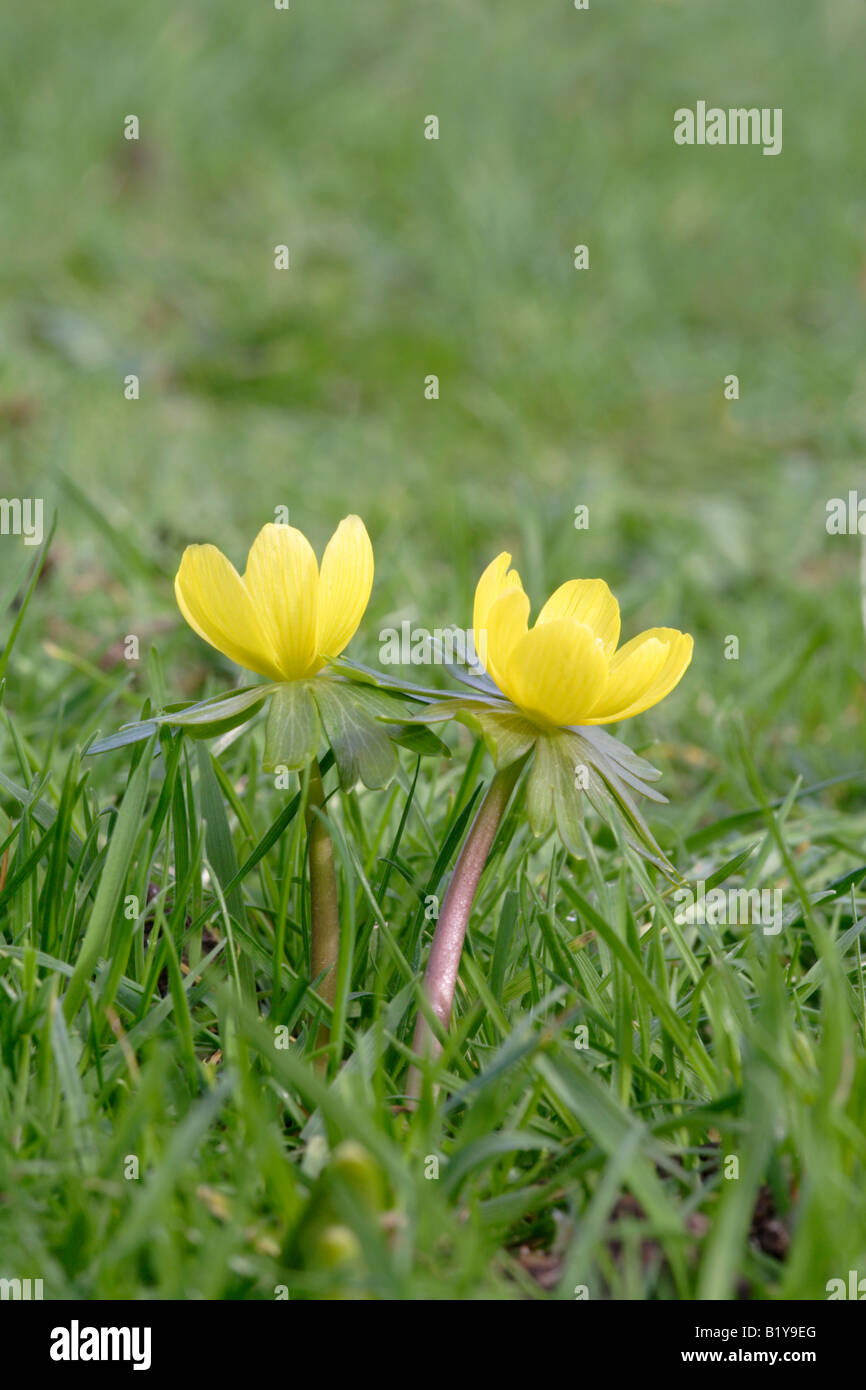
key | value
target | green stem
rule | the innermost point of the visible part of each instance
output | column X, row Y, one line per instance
column 440, row 979
column 324, row 903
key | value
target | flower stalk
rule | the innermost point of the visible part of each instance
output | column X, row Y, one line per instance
column 440, row 979
column 324, row 902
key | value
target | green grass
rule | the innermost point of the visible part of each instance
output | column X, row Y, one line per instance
column 128, row 1031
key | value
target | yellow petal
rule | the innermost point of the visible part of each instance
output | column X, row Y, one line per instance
column 344, row 586
column 632, row 672
column 556, row 671
column 214, row 600
column 589, row 601
column 507, row 621
column 282, row 578
column 642, row 673
column 496, row 580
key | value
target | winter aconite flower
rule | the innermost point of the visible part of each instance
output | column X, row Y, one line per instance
column 544, row 688
column 567, row 668
column 287, row 618
column 535, row 705
column 284, row 617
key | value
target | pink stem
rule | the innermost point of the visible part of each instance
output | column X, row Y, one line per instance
column 440, row 979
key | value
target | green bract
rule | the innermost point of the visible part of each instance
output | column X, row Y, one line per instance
column 359, row 721
column 567, row 765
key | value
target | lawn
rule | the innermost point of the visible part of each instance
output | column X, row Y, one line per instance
column 630, row 1105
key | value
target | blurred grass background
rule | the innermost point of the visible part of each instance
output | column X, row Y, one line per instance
column 410, row 257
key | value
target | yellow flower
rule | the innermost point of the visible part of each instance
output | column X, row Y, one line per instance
column 567, row 669
column 284, row 617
